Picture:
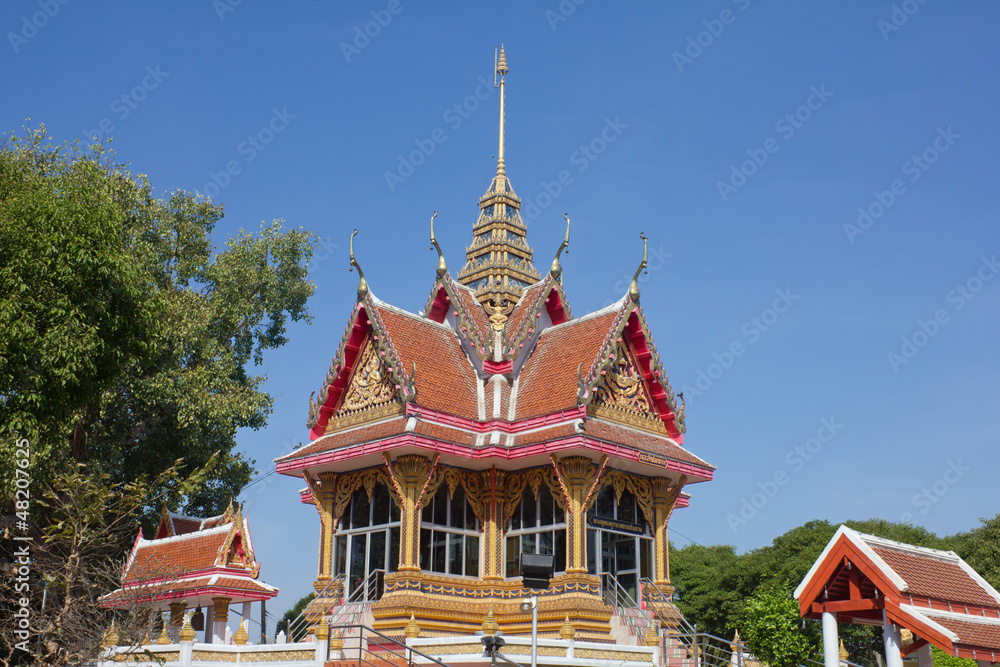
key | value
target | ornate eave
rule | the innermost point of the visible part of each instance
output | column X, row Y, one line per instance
column 365, row 325
column 630, row 328
column 445, row 298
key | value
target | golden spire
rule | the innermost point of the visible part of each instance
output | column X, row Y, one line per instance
column 442, row 268
column 556, row 269
column 498, row 262
column 362, row 284
column 501, row 69
column 633, row 290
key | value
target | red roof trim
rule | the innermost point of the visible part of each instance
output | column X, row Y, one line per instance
column 293, row 467
column 352, row 347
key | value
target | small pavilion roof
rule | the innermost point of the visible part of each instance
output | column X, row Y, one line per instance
column 932, row 593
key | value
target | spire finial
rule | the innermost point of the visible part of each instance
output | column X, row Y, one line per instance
column 633, row 290
column 362, row 284
column 556, row 269
column 442, row 268
column 501, row 69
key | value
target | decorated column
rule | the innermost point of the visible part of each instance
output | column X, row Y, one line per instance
column 665, row 497
column 578, row 479
column 220, row 617
column 322, row 491
column 414, row 481
column 177, row 610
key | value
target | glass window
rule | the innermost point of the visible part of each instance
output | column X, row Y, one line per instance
column 538, row 526
column 367, row 543
column 447, row 526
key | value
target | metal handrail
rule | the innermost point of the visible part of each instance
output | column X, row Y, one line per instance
column 370, row 582
column 713, row 651
column 619, row 595
column 668, row 603
column 300, row 622
column 407, row 657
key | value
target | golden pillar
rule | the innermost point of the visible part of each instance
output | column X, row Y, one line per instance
column 665, row 496
column 177, row 610
column 221, row 616
column 322, row 491
column 578, row 479
column 493, row 481
column 414, row 479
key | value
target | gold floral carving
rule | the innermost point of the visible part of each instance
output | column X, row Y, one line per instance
column 640, row 487
column 278, row 656
column 622, row 386
column 348, row 483
column 605, row 654
column 371, row 395
column 214, row 656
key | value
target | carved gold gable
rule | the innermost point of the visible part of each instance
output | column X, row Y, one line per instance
column 621, row 395
column 371, row 394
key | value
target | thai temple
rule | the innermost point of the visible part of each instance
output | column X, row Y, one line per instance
column 493, row 423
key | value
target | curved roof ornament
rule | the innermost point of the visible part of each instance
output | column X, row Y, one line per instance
column 362, row 284
column 556, row 269
column 633, row 290
column 442, row 268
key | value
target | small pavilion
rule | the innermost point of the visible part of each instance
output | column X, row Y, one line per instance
column 921, row 597
column 194, row 563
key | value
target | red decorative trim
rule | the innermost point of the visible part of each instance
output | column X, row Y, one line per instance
column 352, row 348
column 294, row 467
column 498, row 367
column 439, row 307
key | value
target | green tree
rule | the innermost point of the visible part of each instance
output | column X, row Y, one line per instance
column 126, row 339
column 710, row 586
column 291, row 615
column 769, row 625
column 980, row 548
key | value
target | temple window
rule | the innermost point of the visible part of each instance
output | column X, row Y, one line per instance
column 367, row 543
column 449, row 535
column 619, row 542
column 537, row 527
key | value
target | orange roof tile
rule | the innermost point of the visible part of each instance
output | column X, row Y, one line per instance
column 354, row 436
column 641, row 440
column 549, row 379
column 933, row 577
column 445, row 379
column 174, row 556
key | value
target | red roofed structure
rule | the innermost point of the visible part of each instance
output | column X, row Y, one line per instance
column 445, row 444
column 919, row 596
column 194, row 563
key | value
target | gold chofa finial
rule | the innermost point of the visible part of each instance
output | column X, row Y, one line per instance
column 501, row 69
column 442, row 267
column 556, row 269
column 362, row 284
column 633, row 290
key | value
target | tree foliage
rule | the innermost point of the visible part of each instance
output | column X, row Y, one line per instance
column 291, row 615
column 126, row 340
column 769, row 625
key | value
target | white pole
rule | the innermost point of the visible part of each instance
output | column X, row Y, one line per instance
column 831, row 642
column 534, row 631
column 890, row 634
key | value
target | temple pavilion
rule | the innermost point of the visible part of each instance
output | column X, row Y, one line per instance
column 193, row 564
column 493, row 423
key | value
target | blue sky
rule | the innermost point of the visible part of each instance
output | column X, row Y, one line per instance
column 741, row 137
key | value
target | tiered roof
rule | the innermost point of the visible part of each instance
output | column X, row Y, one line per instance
column 487, row 377
column 932, row 593
column 201, row 559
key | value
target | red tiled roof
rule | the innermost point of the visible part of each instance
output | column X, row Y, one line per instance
column 366, row 433
column 544, row 435
column 185, row 525
column 549, row 379
column 174, row 556
column 474, row 312
column 969, row 632
column 933, row 577
column 646, row 442
column 526, row 306
column 445, row 433
column 445, row 379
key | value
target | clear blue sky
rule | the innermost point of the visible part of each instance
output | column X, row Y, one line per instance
column 865, row 98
